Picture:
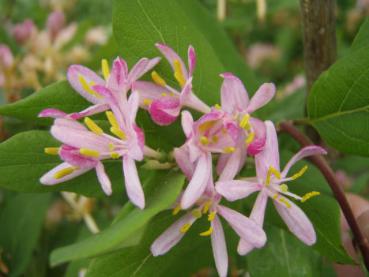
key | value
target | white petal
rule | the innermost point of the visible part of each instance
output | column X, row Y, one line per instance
column 103, row 178
column 133, row 184
column 219, row 247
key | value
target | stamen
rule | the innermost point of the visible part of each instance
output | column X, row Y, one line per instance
column 87, row 87
column 158, row 79
column 178, row 74
column 118, row 132
column 89, row 152
column 229, row 149
column 163, row 94
column 206, row 126
column 176, row 210
column 114, row 155
column 52, row 150
column 105, row 69
column 196, row 213
column 271, row 171
column 204, row 140
column 211, row 215
column 93, row 126
column 112, row 119
column 217, row 106
column 275, row 196
column 207, row 233
column 283, row 187
column 244, row 123
column 250, row 138
column 111, row 147
column 215, row 139
column 185, row 228
column 300, row 173
column 206, row 207
column 285, row 202
column 64, row 172
column 147, row 101
column 309, row 195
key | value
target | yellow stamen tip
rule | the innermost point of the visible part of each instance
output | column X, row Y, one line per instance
column 52, row 150
column 244, row 123
column 112, row 119
column 176, row 210
column 285, row 202
column 118, row 132
column 215, row 139
column 211, row 215
column 93, row 126
column 206, row 207
column 147, row 102
column 178, row 73
column 114, row 155
column 185, row 228
column 164, row 94
column 309, row 195
column 196, row 213
column 89, row 152
column 283, row 187
column 64, row 172
column 250, row 138
column 87, row 86
column 204, row 140
column 271, row 171
column 105, row 69
column 158, row 79
column 300, row 173
column 207, row 233
column 217, row 106
column 229, row 149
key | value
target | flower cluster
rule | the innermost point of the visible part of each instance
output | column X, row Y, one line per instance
column 224, row 134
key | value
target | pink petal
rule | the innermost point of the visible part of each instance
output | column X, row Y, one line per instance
column 232, row 166
column 53, row 113
column 261, row 97
column 118, row 75
column 303, row 153
column 270, row 155
column 165, row 110
column 236, row 189
column 187, row 123
column 103, row 178
column 74, row 71
column 147, row 90
column 49, row 180
column 246, row 228
column 140, row 68
column 133, row 104
column 171, row 236
column 297, row 221
column 198, row 182
column 171, row 56
column 72, row 156
column 182, row 158
column 191, row 60
column 98, row 108
column 133, row 184
column 234, row 96
column 219, row 247
column 257, row 145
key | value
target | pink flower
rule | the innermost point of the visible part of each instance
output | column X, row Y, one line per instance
column 55, row 23
column 214, row 132
column 6, row 57
column 22, row 32
column 84, row 149
column 164, row 102
column 118, row 81
column 208, row 204
column 271, row 183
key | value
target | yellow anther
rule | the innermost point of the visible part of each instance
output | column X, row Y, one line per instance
column 89, row 152
column 93, row 126
column 217, row 106
column 111, row 147
column 185, row 228
column 105, row 69
column 228, row 149
column 207, row 233
column 112, row 119
column 196, row 213
column 275, row 196
column 118, row 132
column 300, row 173
column 176, row 210
column 164, row 94
column 147, row 101
column 64, row 172
column 308, row 195
column 285, row 202
column 114, row 155
column 283, row 187
column 52, row 150
column 204, row 140
column 206, row 126
column 271, row 171
column 244, row 123
column 178, row 73
column 206, row 207
column 250, row 138
column 158, row 79
column 215, row 139
column 87, row 87
column 211, row 215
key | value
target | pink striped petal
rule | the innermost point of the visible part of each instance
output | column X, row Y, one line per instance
column 164, row 111
column 234, row 96
column 187, row 123
column 133, row 184
column 257, row 145
column 191, row 60
column 232, row 166
column 236, row 189
column 198, row 182
column 103, row 178
column 297, row 221
column 49, row 179
column 182, row 158
column 171, row 56
column 98, row 108
column 140, row 68
column 219, row 246
column 53, row 113
column 171, row 236
column 261, row 97
column 118, row 75
column 246, row 228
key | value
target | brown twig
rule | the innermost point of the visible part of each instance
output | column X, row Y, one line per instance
column 338, row 192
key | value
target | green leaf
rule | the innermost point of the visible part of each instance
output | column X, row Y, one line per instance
column 362, row 38
column 284, row 255
column 160, row 195
column 338, row 104
column 21, row 222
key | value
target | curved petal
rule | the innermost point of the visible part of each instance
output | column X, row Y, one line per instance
column 198, row 182
column 257, row 145
column 49, row 177
column 53, row 113
column 303, row 153
column 133, row 184
column 103, row 178
column 164, row 111
column 261, row 97
column 172, row 56
column 219, row 246
column 187, row 123
column 118, row 75
column 236, row 189
column 140, row 68
column 246, row 228
column 191, row 60
column 98, row 108
column 234, row 96
column 182, row 158
column 91, row 78
column 297, row 221
column 171, row 236
column 232, row 166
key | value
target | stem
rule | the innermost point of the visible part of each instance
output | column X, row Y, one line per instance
column 338, row 192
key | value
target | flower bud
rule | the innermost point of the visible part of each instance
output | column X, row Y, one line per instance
column 55, row 22
column 6, row 57
column 22, row 32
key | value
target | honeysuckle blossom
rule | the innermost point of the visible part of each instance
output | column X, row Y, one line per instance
column 23, row 31
column 270, row 182
column 164, row 102
column 208, row 204
column 118, row 81
column 84, row 148
column 214, row 132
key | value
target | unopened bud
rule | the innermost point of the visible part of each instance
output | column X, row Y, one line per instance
column 6, row 57
column 22, row 32
column 55, row 22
